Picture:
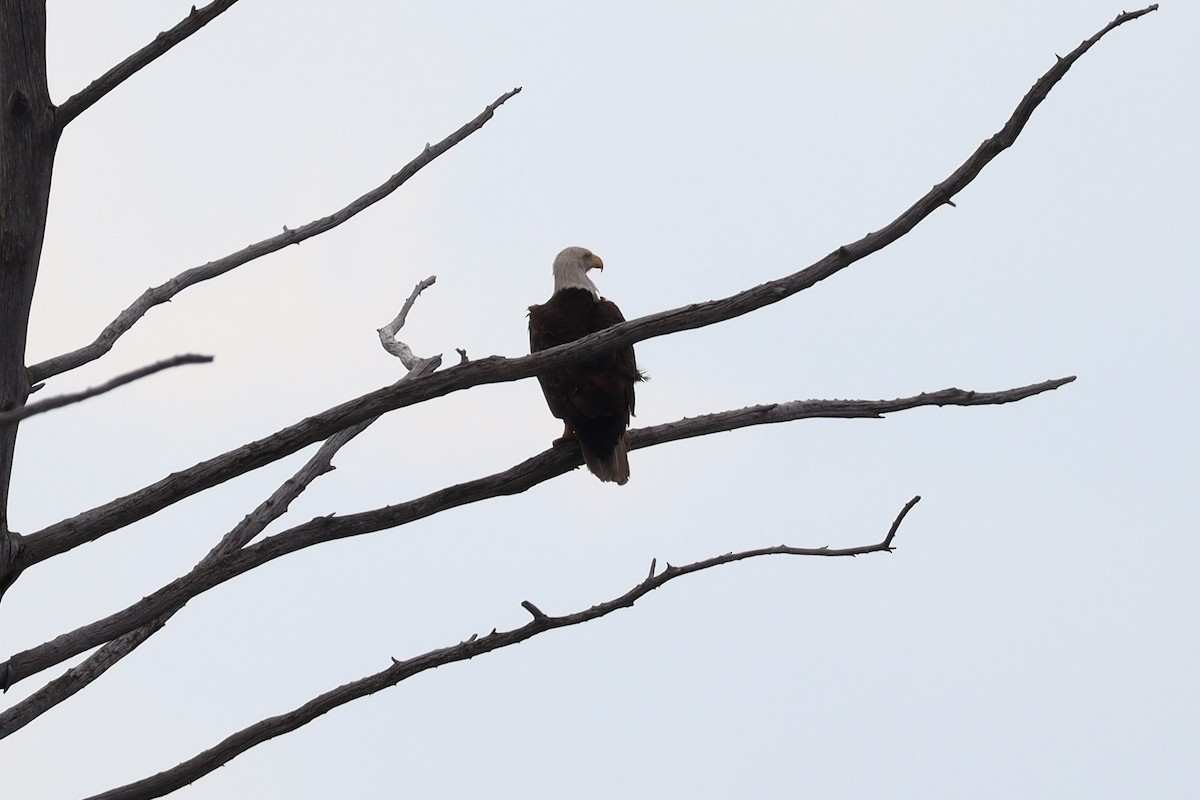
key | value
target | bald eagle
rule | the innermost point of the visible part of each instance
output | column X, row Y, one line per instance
column 594, row 399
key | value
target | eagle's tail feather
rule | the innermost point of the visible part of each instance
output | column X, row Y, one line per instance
column 614, row 468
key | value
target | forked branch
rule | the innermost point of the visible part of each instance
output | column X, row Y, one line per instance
column 123, row 511
column 225, row 751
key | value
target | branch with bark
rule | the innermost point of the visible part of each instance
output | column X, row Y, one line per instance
column 85, row 99
column 234, row 745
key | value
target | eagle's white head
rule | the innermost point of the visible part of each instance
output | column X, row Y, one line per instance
column 570, row 270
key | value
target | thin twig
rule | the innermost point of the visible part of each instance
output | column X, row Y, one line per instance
column 238, row 743
column 163, row 293
column 51, row 403
column 81, row 101
column 545, row 466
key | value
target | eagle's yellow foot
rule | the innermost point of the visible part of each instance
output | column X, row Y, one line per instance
column 568, row 436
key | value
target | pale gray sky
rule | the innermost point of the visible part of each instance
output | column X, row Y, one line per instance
column 1035, row 633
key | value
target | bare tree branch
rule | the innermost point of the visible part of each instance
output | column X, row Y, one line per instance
column 233, row 555
column 79, row 676
column 542, row 467
column 92, row 524
column 238, row 743
column 81, row 101
column 51, row 403
column 163, row 293
column 322, row 461
column 118, row 513
column 691, row 427
column 387, row 334
column 76, row 678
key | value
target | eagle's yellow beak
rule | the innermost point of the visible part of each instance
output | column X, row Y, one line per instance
column 594, row 262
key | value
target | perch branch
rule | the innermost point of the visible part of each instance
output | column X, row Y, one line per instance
column 264, row 730
column 163, row 293
column 123, row 511
column 548, row 464
column 79, row 102
column 79, row 676
column 51, row 403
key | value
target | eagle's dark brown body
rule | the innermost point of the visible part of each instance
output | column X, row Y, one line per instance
column 595, row 398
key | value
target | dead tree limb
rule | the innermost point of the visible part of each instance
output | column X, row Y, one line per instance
column 51, row 403
column 116, row 514
column 542, row 467
column 164, row 292
column 234, row 745
column 222, row 562
column 79, row 102
column 274, row 507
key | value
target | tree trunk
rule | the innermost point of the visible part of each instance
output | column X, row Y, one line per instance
column 28, row 138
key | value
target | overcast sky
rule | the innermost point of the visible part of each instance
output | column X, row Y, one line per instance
column 1034, row 634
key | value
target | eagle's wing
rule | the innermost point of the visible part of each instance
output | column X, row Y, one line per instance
column 619, row 366
column 600, row 388
column 555, row 385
